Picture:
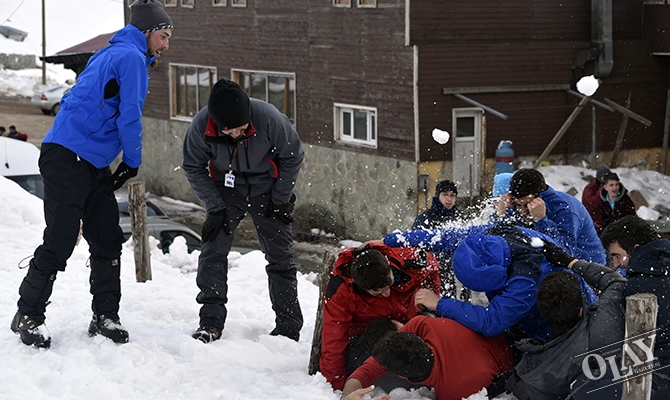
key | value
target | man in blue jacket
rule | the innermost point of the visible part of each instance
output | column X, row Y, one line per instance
column 99, row 119
column 242, row 156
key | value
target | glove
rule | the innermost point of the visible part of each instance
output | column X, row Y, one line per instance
column 214, row 222
column 122, row 174
column 283, row 212
column 556, row 255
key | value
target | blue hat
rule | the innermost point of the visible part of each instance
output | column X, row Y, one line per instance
column 501, row 183
column 481, row 261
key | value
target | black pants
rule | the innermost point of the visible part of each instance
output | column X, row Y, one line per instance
column 277, row 244
column 74, row 191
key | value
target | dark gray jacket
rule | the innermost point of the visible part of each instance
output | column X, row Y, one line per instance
column 267, row 160
column 546, row 370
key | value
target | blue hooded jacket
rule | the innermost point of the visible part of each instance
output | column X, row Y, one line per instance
column 97, row 125
column 504, row 265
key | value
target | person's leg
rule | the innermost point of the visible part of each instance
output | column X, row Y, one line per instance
column 277, row 244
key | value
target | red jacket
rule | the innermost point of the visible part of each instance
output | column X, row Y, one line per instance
column 465, row 361
column 591, row 200
column 347, row 309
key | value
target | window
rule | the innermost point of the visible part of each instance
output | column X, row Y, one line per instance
column 342, row 3
column 189, row 88
column 367, row 3
column 355, row 124
column 170, row 3
column 188, row 3
column 238, row 3
column 219, row 3
column 276, row 88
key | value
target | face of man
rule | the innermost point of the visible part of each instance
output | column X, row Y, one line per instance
column 385, row 291
column 236, row 134
column 521, row 205
column 158, row 42
column 619, row 255
column 448, row 199
column 612, row 188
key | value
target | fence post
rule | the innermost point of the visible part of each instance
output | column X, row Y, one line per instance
column 137, row 207
column 328, row 264
column 641, row 310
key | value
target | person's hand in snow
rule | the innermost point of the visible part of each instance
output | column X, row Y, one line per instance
column 426, row 298
column 359, row 393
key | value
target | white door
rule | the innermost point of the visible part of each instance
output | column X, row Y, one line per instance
column 467, row 150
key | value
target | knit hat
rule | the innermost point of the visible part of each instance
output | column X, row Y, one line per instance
column 228, row 105
column 527, row 181
column 501, row 183
column 601, row 171
column 445, row 186
column 149, row 16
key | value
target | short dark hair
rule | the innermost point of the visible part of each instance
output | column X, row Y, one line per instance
column 629, row 231
column 12, row 127
column 370, row 270
column 611, row 176
column 405, row 354
column 559, row 299
column 527, row 181
column 376, row 330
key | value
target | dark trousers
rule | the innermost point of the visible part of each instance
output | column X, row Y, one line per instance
column 74, row 191
column 276, row 243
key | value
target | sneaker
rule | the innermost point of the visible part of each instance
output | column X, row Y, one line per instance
column 207, row 333
column 108, row 327
column 32, row 333
column 292, row 336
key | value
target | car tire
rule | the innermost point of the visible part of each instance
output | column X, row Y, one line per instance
column 46, row 112
column 55, row 109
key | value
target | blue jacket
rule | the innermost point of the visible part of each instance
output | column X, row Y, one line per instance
column 436, row 216
column 569, row 223
column 97, row 128
column 505, row 266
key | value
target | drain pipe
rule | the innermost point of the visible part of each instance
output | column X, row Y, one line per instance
column 666, row 134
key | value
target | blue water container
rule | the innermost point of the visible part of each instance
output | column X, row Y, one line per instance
column 504, row 157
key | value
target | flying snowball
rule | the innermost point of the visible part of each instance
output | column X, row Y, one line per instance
column 536, row 242
column 588, row 85
column 440, row 136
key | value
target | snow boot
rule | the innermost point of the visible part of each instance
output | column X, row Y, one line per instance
column 279, row 332
column 109, row 327
column 207, row 333
column 32, row 333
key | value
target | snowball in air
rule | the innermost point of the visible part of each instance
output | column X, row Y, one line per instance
column 440, row 136
column 588, row 85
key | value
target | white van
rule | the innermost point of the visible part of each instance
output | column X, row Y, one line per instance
column 19, row 162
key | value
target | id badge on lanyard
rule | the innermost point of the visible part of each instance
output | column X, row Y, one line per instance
column 229, row 180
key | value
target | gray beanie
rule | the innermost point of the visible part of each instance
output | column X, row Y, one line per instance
column 602, row 171
column 149, row 16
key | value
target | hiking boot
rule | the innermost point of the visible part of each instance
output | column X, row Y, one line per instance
column 207, row 333
column 292, row 336
column 32, row 333
column 109, row 327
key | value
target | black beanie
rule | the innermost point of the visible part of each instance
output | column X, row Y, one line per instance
column 527, row 181
column 149, row 16
column 445, row 186
column 228, row 105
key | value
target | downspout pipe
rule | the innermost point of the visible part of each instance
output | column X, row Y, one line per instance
column 601, row 37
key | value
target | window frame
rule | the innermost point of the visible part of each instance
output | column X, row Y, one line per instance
column 170, row 3
column 190, row 4
column 238, row 3
column 359, row 4
column 221, row 3
column 342, row 3
column 372, row 118
column 236, row 73
column 173, row 89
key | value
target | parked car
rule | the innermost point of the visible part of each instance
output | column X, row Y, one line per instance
column 19, row 162
column 160, row 226
column 49, row 100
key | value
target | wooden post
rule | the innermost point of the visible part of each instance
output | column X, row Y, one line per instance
column 137, row 207
column 619, row 138
column 562, row 131
column 641, row 310
column 328, row 264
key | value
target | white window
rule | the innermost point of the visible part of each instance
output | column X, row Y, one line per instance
column 356, row 124
column 276, row 88
column 342, row 3
column 219, row 3
column 189, row 89
column 367, row 3
column 188, row 3
column 170, row 3
column 238, row 3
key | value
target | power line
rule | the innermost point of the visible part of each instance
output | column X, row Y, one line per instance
column 13, row 12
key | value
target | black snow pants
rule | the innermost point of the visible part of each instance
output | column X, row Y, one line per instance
column 276, row 243
column 74, row 191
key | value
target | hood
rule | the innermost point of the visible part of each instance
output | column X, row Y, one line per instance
column 481, row 261
column 133, row 36
column 622, row 192
column 651, row 259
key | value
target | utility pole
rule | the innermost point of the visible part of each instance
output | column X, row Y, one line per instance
column 44, row 45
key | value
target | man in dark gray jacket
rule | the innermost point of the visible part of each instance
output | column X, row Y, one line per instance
column 241, row 156
column 546, row 371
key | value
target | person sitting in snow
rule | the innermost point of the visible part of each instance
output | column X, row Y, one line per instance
column 591, row 193
column 443, row 210
column 546, row 371
column 613, row 204
column 437, row 352
column 368, row 283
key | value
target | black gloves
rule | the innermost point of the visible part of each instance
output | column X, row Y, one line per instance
column 214, row 222
column 122, row 174
column 556, row 255
column 283, row 212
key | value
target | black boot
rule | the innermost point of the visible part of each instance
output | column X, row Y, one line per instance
column 109, row 327
column 33, row 333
